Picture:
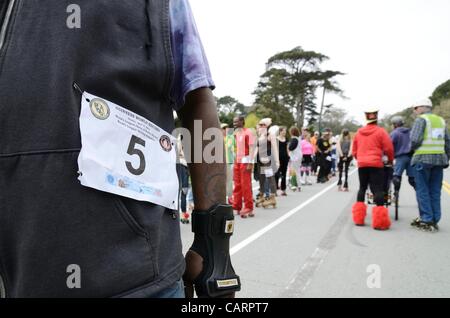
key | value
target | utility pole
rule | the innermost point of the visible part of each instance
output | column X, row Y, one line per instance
column 321, row 110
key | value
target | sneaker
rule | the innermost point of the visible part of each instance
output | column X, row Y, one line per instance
column 436, row 227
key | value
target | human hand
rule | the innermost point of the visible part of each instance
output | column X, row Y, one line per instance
column 194, row 267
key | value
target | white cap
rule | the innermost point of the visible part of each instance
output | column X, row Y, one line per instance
column 266, row 121
column 424, row 102
column 371, row 115
column 371, row 110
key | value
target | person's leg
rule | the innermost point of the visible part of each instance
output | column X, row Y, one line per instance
column 363, row 174
column 308, row 173
column 237, row 189
column 247, row 193
column 315, row 164
column 298, row 172
column 272, row 186
column 283, row 169
column 346, row 167
column 328, row 165
column 399, row 167
column 277, row 178
column 266, row 187
column 422, row 175
column 324, row 169
column 229, row 186
column 377, row 184
column 380, row 214
column 184, row 187
column 410, row 174
column 340, row 168
column 436, row 178
column 302, row 174
column 262, row 182
column 320, row 167
column 359, row 209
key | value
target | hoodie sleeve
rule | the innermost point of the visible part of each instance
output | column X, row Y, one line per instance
column 388, row 146
column 393, row 136
column 355, row 147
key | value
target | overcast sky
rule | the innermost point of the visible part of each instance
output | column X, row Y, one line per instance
column 393, row 52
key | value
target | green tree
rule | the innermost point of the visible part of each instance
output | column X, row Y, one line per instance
column 251, row 120
column 228, row 107
column 337, row 119
column 441, row 93
column 280, row 115
column 443, row 110
column 291, row 81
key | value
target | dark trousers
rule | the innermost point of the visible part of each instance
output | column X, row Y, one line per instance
column 373, row 177
column 314, row 164
column 325, row 167
column 343, row 166
column 183, row 176
column 281, row 174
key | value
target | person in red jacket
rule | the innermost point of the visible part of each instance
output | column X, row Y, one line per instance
column 370, row 145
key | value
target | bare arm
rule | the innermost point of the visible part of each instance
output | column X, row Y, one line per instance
column 208, row 179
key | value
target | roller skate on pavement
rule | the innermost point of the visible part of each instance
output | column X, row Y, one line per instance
column 269, row 202
column 247, row 213
column 259, row 200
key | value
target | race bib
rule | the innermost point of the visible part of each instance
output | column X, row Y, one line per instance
column 125, row 154
column 328, row 158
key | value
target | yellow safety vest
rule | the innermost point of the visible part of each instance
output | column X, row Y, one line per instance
column 434, row 137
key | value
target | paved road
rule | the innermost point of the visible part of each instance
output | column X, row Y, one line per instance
column 308, row 247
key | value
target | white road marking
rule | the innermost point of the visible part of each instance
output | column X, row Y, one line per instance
column 281, row 219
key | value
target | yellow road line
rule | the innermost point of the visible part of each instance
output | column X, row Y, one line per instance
column 446, row 187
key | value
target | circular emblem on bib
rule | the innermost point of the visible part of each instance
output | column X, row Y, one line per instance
column 99, row 108
column 165, row 143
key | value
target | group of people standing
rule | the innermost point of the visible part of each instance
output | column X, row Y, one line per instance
column 272, row 157
column 277, row 162
column 422, row 151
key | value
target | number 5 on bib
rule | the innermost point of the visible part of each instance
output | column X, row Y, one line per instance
column 125, row 154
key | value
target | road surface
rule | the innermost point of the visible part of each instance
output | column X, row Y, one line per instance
column 309, row 247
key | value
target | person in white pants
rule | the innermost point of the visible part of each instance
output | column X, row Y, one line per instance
column 295, row 153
